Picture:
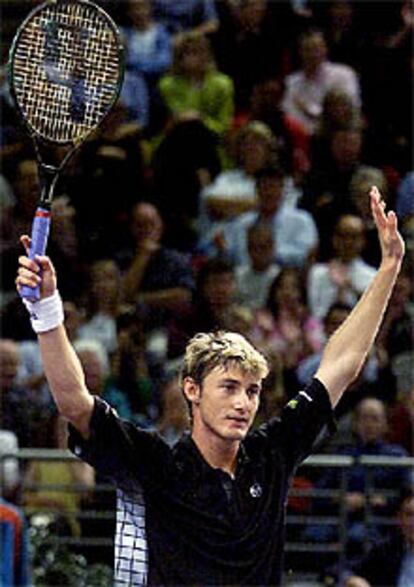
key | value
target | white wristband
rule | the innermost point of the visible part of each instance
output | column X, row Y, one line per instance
column 46, row 314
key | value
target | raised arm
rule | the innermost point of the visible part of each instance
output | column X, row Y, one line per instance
column 61, row 364
column 347, row 349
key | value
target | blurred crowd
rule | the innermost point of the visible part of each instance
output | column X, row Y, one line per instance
column 227, row 189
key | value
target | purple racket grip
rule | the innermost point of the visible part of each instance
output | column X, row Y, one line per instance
column 40, row 233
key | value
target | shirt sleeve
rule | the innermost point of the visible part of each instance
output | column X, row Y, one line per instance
column 301, row 422
column 119, row 450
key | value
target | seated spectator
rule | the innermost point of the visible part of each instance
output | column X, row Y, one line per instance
column 214, row 306
column 20, row 407
column 401, row 420
column 255, row 277
column 68, row 481
column 285, row 324
column 395, row 339
column 326, row 188
column 137, row 370
column 148, row 56
column 339, row 20
column 187, row 15
column 195, row 90
column 361, row 182
column 233, row 191
column 292, row 138
column 364, row 491
column 346, row 275
column 306, row 88
column 174, row 416
column 9, row 467
column 294, row 231
column 307, row 368
column 7, row 204
column 95, row 365
column 103, row 299
column 24, row 191
column 251, row 42
column 160, row 280
column 339, row 112
column 186, row 160
column 405, row 197
column 390, row 560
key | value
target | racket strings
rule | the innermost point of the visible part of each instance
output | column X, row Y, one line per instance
column 66, row 70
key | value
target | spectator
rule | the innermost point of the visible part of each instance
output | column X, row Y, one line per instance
column 363, row 178
column 135, row 370
column 157, row 278
column 339, row 20
column 326, row 189
column 233, row 191
column 401, row 419
column 291, row 136
column 365, row 493
column 214, row 306
column 396, row 336
column 195, row 90
column 338, row 113
column 73, row 481
column 346, row 275
column 285, row 324
column 148, row 56
column 294, row 231
column 104, row 299
column 251, row 42
column 255, row 277
column 187, row 15
column 9, row 466
column 377, row 567
column 173, row 420
column 336, row 314
column 405, row 197
column 20, row 407
column 306, row 89
column 95, row 364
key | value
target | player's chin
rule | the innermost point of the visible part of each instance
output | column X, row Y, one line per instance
column 236, row 432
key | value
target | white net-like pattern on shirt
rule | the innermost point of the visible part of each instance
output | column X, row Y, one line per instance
column 131, row 549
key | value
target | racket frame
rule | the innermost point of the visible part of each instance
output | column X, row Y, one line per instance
column 50, row 173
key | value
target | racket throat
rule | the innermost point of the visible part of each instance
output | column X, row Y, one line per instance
column 48, row 178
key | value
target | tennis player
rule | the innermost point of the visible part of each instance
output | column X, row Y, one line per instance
column 209, row 511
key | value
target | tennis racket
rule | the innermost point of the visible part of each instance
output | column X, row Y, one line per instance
column 65, row 74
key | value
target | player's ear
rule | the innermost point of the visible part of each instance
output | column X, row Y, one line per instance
column 192, row 390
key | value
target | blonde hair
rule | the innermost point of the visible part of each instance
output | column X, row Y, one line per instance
column 258, row 129
column 191, row 40
column 206, row 351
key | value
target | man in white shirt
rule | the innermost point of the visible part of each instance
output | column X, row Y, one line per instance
column 345, row 277
column 306, row 88
column 255, row 278
column 294, row 231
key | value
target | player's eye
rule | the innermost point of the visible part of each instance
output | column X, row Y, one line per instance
column 253, row 391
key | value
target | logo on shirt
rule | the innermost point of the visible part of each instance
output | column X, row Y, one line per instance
column 256, row 490
column 292, row 404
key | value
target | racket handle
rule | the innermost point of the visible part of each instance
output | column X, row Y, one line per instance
column 40, row 234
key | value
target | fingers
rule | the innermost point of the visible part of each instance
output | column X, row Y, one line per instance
column 27, row 273
column 30, row 271
column 26, row 241
column 378, row 208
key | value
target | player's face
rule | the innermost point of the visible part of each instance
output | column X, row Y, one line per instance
column 225, row 404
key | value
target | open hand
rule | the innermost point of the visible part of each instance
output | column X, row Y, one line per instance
column 391, row 242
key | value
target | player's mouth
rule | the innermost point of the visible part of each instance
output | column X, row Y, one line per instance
column 238, row 420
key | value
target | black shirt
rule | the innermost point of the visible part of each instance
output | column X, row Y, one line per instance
column 201, row 527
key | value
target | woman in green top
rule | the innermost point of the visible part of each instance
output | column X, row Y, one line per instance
column 195, row 90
